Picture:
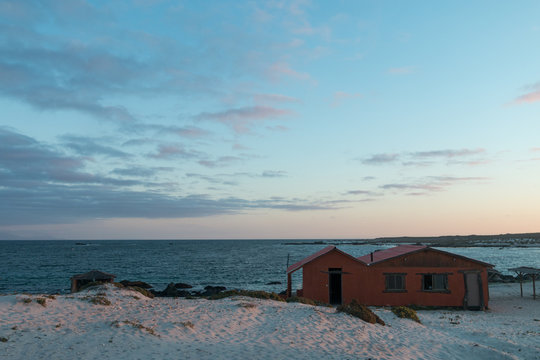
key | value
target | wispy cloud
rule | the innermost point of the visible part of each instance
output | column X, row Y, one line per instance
column 173, row 152
column 530, row 97
column 363, row 193
column 430, row 184
column 380, row 159
column 273, row 174
column 447, row 153
column 268, row 99
column 471, row 157
column 139, row 171
column 279, row 70
column 40, row 184
column 242, row 120
column 89, row 147
column 340, row 97
column 404, row 70
column 221, row 161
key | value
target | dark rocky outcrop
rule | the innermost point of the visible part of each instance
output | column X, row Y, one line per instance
column 171, row 291
column 495, row 276
column 212, row 290
column 182, row 286
column 274, row 283
column 140, row 284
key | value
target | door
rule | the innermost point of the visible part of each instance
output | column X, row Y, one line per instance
column 473, row 291
column 334, row 286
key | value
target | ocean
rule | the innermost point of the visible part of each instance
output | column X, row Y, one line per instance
column 46, row 266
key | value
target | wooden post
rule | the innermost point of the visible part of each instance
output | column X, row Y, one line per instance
column 521, row 283
column 289, row 285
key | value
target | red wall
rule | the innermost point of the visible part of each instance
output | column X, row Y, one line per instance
column 367, row 284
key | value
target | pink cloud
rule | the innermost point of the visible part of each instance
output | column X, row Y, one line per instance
column 528, row 98
column 274, row 98
column 243, row 119
column 280, row 69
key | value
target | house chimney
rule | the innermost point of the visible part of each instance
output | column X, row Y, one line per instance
column 371, row 256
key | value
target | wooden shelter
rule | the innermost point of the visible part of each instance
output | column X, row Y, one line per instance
column 402, row 275
column 92, row 276
column 525, row 270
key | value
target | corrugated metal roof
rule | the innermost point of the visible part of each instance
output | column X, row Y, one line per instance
column 304, row 261
column 93, row 274
column 382, row 255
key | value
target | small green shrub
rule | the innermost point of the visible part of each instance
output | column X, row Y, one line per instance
column 42, row 301
column 360, row 311
column 248, row 293
column 52, row 297
column 27, row 300
column 3, row 339
column 405, row 313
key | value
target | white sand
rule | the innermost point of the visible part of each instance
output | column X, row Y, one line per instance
column 70, row 327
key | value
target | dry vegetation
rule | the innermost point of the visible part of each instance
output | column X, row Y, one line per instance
column 360, row 311
column 405, row 313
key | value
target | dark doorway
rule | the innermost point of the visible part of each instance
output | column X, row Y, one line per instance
column 334, row 286
column 473, row 291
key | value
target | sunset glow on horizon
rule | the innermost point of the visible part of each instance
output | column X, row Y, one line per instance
column 268, row 120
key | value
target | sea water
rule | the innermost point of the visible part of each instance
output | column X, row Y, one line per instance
column 46, row 266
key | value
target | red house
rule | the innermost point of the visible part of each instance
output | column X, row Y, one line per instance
column 403, row 275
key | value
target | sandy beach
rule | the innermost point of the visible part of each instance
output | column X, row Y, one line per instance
column 133, row 326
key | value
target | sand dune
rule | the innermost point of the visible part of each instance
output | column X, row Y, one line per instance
column 136, row 327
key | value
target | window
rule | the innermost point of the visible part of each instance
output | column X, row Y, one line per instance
column 395, row 282
column 435, row 282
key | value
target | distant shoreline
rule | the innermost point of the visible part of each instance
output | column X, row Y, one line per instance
column 502, row 240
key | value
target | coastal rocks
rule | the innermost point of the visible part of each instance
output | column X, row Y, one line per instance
column 495, row 276
column 172, row 291
column 182, row 286
column 212, row 290
column 140, row 284
column 274, row 283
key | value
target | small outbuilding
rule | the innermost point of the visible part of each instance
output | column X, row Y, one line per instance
column 402, row 275
column 77, row 281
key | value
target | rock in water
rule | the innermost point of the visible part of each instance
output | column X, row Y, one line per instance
column 182, row 286
column 212, row 290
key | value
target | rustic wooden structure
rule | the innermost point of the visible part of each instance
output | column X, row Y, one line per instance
column 92, row 276
column 525, row 270
column 403, row 275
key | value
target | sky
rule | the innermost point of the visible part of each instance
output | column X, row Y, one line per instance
column 151, row 119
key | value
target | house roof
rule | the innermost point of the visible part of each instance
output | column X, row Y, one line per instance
column 318, row 254
column 386, row 254
column 93, row 275
column 310, row 258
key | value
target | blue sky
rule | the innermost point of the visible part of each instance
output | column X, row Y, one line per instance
column 278, row 119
